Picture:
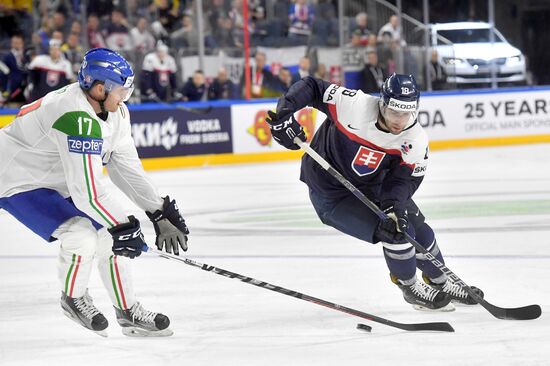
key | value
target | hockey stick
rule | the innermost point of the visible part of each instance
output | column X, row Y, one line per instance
column 199, row 111
column 521, row 313
column 437, row 326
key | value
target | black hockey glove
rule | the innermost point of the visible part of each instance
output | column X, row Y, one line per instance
column 392, row 230
column 284, row 128
column 127, row 238
column 170, row 227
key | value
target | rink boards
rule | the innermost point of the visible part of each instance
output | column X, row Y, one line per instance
column 236, row 131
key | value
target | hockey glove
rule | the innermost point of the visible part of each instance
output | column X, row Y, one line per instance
column 127, row 238
column 284, row 128
column 392, row 230
column 170, row 227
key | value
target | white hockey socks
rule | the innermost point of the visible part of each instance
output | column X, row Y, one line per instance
column 77, row 239
column 115, row 272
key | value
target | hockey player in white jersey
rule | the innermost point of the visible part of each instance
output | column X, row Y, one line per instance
column 53, row 155
column 377, row 144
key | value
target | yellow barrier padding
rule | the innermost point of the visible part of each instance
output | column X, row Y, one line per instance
column 218, row 159
column 6, row 119
column 489, row 141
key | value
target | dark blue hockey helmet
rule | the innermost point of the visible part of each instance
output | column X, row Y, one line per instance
column 400, row 94
column 107, row 66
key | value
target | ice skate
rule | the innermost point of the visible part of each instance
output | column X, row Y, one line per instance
column 139, row 322
column 457, row 294
column 82, row 311
column 424, row 297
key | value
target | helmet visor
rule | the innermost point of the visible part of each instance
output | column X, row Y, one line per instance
column 124, row 92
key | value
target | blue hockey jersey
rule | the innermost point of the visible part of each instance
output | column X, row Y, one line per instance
column 384, row 166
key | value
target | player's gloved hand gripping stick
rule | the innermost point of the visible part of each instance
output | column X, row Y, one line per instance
column 521, row 313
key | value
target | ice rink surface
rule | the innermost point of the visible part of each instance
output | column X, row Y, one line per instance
column 490, row 209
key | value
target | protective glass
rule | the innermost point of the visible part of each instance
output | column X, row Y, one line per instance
column 124, row 92
column 398, row 117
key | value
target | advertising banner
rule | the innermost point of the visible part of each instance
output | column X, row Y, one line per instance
column 173, row 132
column 250, row 131
column 489, row 115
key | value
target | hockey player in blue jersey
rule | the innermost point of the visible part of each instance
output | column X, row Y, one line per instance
column 377, row 144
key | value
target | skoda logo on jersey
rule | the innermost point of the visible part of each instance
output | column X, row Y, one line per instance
column 366, row 161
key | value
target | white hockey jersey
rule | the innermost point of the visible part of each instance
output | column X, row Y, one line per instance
column 58, row 142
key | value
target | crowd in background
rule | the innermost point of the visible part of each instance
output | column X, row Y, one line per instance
column 151, row 34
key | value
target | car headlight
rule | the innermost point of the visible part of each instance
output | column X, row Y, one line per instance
column 514, row 59
column 452, row 61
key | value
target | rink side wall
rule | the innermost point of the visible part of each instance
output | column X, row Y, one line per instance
column 236, row 132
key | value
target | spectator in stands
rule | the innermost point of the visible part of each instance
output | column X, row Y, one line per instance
column 361, row 20
column 73, row 52
column 49, row 72
column 167, row 18
column 224, row 33
column 438, row 75
column 355, row 41
column 187, row 36
column 58, row 36
column 42, row 38
column 321, row 72
column 393, row 28
column 142, row 40
column 215, row 12
column 301, row 18
column 304, row 66
column 76, row 28
column 194, row 89
column 158, row 76
column 259, row 27
column 60, row 22
column 118, row 36
column 95, row 38
column 373, row 74
column 13, row 72
column 372, row 43
column 101, row 8
column 284, row 81
column 236, row 16
column 221, row 87
column 261, row 79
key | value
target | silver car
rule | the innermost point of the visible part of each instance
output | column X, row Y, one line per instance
column 467, row 54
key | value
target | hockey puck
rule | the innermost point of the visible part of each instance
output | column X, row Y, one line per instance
column 364, row 327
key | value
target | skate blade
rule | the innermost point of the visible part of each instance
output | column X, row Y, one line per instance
column 140, row 332
column 101, row 333
column 447, row 308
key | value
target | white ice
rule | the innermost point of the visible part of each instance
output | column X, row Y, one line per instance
column 490, row 209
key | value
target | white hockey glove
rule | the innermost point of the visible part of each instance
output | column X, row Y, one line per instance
column 170, row 227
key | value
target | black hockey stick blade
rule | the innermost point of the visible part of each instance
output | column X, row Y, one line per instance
column 436, row 327
column 522, row 313
column 528, row 312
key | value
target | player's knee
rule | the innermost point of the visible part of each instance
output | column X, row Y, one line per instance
column 425, row 235
column 78, row 236
column 104, row 243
